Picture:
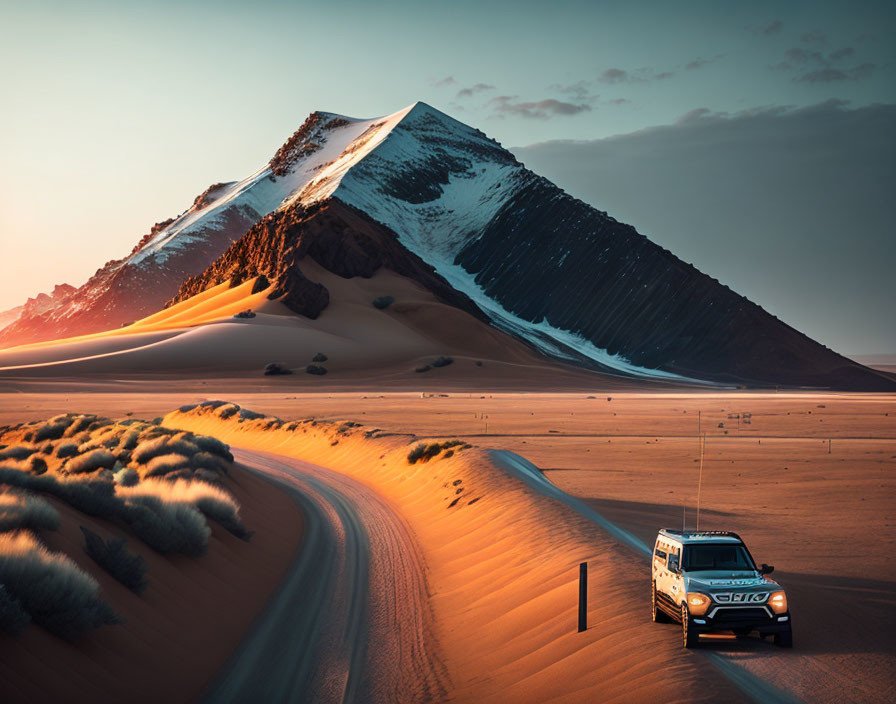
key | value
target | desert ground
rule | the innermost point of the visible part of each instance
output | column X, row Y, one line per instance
column 805, row 478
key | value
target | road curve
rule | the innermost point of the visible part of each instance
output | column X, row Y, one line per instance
column 351, row 620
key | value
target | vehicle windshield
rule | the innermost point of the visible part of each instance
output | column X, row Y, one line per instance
column 700, row 558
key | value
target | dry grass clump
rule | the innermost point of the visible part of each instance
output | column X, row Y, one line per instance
column 215, row 503
column 166, row 527
column 114, row 557
column 19, row 511
column 51, row 589
column 131, row 471
column 423, row 452
column 90, row 461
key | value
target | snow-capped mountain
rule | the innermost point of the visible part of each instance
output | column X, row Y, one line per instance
column 438, row 201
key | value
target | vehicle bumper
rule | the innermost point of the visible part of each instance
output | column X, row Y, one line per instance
column 727, row 621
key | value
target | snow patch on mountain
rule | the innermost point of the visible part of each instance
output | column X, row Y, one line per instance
column 437, row 183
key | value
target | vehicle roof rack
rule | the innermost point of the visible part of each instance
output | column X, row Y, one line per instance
column 673, row 533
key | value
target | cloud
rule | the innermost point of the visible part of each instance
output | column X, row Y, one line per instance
column 537, row 110
column 773, row 27
column 830, row 75
column 614, row 75
column 642, row 75
column 790, row 207
column 816, row 67
column 473, row 90
column 815, row 38
column 843, row 53
column 580, row 90
column 438, row 83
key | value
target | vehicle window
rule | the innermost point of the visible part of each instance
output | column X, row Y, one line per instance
column 660, row 554
column 716, row 557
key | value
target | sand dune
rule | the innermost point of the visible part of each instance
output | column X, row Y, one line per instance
column 502, row 566
column 358, row 339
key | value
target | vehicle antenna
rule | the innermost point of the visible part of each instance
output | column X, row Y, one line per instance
column 700, row 478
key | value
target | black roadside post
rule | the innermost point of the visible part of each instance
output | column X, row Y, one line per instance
column 583, row 597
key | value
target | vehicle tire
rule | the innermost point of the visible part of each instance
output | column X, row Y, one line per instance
column 784, row 639
column 689, row 637
column 742, row 632
column 657, row 614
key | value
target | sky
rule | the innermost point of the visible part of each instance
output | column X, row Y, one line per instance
column 115, row 115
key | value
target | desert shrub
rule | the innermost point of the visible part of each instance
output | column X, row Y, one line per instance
column 127, row 476
column 188, row 407
column 227, row 411
column 17, row 452
column 245, row 314
column 383, row 302
column 52, row 589
column 66, row 449
column 214, row 502
column 422, row 368
column 319, row 357
column 315, row 369
column 275, row 369
column 79, row 424
column 442, row 362
column 212, row 404
column 164, row 445
column 127, row 442
column 165, row 464
column 24, row 512
column 423, row 452
column 209, row 462
column 37, row 465
column 47, row 449
column 51, row 431
column 13, row 618
column 206, row 443
column 90, row 462
column 211, row 476
column 114, row 557
column 95, row 497
column 246, row 414
column 166, row 527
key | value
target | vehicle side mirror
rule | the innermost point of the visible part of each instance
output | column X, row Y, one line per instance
column 673, row 564
column 766, row 569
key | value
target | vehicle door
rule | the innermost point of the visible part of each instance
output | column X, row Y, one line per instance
column 674, row 579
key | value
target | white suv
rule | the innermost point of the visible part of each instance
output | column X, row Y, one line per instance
column 708, row 582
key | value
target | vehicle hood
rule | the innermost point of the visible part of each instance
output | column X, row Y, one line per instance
column 717, row 580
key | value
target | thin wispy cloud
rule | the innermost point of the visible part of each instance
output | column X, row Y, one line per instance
column 440, row 82
column 814, row 66
column 473, row 90
column 642, row 75
column 770, row 29
column 832, row 75
column 503, row 105
column 814, row 38
column 580, row 90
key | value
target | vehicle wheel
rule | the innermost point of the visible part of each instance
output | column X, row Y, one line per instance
column 658, row 615
column 784, row 639
column 742, row 632
column 689, row 636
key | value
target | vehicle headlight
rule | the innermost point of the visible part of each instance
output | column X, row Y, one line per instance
column 778, row 602
column 698, row 603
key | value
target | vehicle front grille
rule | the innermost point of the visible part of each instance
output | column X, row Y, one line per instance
column 740, row 597
column 722, row 614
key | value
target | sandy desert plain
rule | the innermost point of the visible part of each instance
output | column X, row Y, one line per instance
column 456, row 578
